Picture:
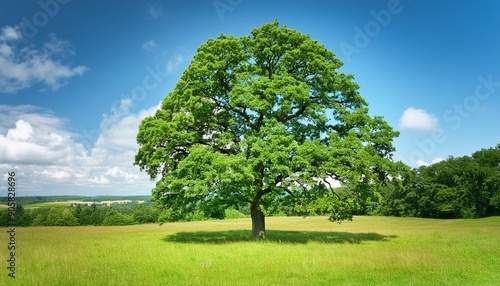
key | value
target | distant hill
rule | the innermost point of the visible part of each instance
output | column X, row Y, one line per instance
column 31, row 200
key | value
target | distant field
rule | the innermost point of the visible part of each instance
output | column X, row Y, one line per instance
column 29, row 202
column 51, row 204
column 297, row 251
column 69, row 203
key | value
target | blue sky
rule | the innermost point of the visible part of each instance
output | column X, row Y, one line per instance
column 77, row 77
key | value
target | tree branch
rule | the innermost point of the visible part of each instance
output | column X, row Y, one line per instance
column 261, row 193
column 242, row 114
column 285, row 118
column 225, row 84
column 290, row 192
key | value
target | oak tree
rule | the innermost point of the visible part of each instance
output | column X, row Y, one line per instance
column 265, row 119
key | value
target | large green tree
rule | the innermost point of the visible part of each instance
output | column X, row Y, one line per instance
column 264, row 119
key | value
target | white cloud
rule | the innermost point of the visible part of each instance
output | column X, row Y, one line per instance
column 5, row 50
column 437, row 160
column 99, row 180
column 149, row 45
column 28, row 135
column 434, row 161
column 24, row 66
column 120, row 130
column 422, row 163
column 10, row 33
column 47, row 158
column 155, row 11
column 174, row 62
column 418, row 119
column 22, row 131
column 57, row 175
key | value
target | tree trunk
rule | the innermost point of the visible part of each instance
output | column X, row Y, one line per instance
column 258, row 221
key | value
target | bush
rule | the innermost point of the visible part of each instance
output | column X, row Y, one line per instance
column 232, row 213
column 144, row 214
column 113, row 217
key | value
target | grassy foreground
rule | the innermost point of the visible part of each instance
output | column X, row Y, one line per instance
column 297, row 251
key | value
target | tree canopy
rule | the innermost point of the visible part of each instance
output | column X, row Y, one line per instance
column 264, row 119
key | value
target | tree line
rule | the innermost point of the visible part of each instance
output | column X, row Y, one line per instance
column 81, row 215
column 99, row 215
column 463, row 187
column 459, row 187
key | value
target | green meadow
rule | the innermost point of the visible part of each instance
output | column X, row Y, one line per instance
column 296, row 251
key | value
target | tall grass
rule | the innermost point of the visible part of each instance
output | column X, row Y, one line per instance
column 297, row 251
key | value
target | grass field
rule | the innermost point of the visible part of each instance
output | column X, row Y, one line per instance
column 50, row 204
column 297, row 251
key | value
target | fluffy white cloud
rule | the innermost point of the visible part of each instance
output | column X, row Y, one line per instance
column 434, row 161
column 418, row 119
column 23, row 66
column 149, row 45
column 22, row 131
column 422, row 163
column 5, row 50
column 28, row 135
column 35, row 144
column 119, row 129
column 10, row 33
column 437, row 160
column 57, row 175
